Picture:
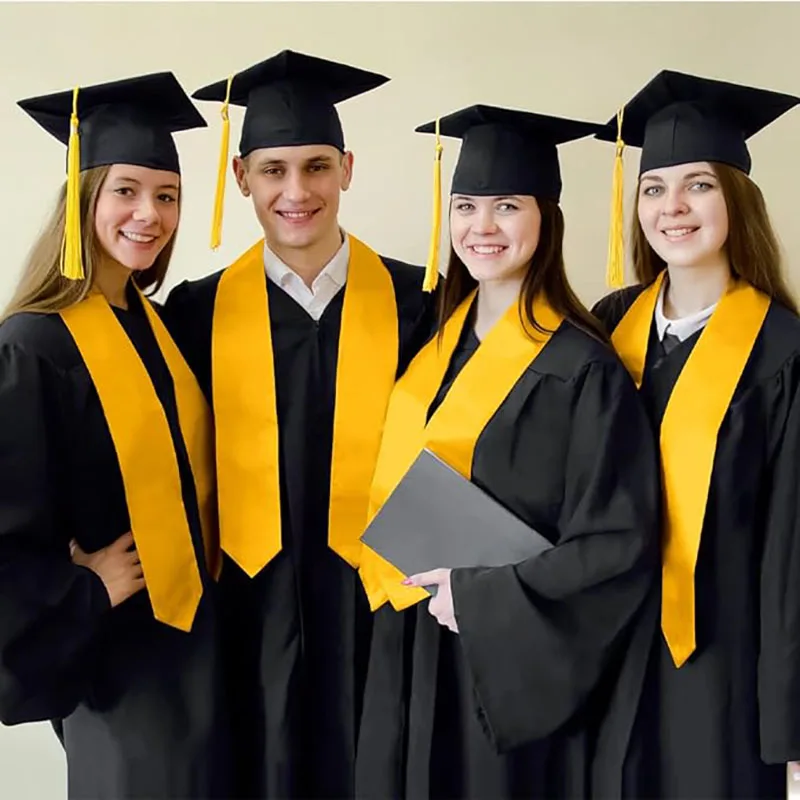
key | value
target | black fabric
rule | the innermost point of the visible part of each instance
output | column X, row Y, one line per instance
column 290, row 99
column 297, row 635
column 130, row 121
column 137, row 705
column 508, row 152
column 724, row 724
column 509, row 707
column 680, row 119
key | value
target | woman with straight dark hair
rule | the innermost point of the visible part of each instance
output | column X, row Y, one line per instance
column 495, row 686
column 108, row 530
column 711, row 334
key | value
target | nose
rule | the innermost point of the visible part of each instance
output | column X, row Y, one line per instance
column 146, row 211
column 483, row 222
column 295, row 189
column 675, row 203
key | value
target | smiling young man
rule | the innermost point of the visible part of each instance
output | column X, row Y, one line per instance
column 297, row 344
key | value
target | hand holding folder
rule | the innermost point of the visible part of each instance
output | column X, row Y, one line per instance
column 437, row 518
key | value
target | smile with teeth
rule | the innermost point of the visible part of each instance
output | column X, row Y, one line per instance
column 297, row 215
column 139, row 238
column 487, row 249
column 677, row 233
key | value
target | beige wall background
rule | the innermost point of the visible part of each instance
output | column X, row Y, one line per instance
column 569, row 59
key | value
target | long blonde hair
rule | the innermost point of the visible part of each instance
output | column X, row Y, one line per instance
column 42, row 287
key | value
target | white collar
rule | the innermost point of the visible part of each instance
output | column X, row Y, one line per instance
column 684, row 327
column 334, row 271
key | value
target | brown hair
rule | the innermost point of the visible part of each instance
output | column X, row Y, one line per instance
column 546, row 274
column 752, row 246
column 42, row 287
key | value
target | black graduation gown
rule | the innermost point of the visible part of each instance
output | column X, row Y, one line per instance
column 137, row 704
column 725, row 723
column 297, row 635
column 508, row 707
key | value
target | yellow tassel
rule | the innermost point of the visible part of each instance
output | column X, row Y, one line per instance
column 432, row 265
column 71, row 264
column 615, row 267
column 222, row 171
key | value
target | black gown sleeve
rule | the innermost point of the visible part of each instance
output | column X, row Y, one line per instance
column 49, row 607
column 188, row 315
column 779, row 661
column 539, row 636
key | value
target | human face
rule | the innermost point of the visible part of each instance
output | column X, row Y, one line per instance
column 296, row 192
column 683, row 214
column 495, row 237
column 136, row 214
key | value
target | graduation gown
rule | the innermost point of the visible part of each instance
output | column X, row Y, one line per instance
column 726, row 721
column 137, row 703
column 297, row 634
column 508, row 706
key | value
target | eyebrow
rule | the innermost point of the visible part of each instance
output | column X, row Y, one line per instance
column 699, row 174
column 703, row 173
column 496, row 199
column 279, row 162
column 125, row 179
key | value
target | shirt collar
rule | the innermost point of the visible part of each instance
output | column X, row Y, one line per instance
column 335, row 270
column 684, row 327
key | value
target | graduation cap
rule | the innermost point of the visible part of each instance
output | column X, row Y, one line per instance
column 129, row 121
column 679, row 119
column 290, row 100
column 503, row 152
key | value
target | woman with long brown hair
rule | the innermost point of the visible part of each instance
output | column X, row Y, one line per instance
column 711, row 334
column 493, row 688
column 107, row 511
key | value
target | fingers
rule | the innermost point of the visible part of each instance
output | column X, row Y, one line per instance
column 124, row 542
column 434, row 576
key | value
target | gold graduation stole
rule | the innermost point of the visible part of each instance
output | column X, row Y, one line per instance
column 688, row 436
column 246, row 415
column 476, row 394
column 146, row 453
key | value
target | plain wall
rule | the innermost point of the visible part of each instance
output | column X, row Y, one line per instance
column 570, row 59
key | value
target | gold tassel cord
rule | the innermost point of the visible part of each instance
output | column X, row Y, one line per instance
column 71, row 263
column 432, row 264
column 615, row 266
column 222, row 171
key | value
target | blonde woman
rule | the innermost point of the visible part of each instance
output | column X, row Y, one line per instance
column 107, row 518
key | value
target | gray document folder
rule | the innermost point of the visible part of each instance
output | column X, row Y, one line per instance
column 437, row 518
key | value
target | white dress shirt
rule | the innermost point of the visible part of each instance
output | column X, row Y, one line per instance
column 684, row 327
column 324, row 287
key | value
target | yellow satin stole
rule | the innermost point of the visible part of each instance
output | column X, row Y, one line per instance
column 245, row 407
column 688, row 436
column 453, row 430
column 146, row 453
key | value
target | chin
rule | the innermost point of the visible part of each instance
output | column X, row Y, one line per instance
column 491, row 272
column 685, row 260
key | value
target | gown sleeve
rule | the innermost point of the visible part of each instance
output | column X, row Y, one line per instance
column 188, row 314
column 49, row 607
column 779, row 658
column 540, row 635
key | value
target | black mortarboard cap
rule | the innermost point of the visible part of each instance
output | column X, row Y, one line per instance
column 503, row 152
column 290, row 99
column 507, row 152
column 679, row 118
column 130, row 121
